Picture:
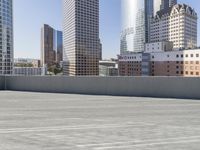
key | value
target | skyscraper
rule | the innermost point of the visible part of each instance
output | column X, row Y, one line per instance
column 6, row 37
column 172, row 3
column 148, row 16
column 58, row 45
column 163, row 5
column 81, row 37
column 51, row 46
column 133, row 26
column 160, row 5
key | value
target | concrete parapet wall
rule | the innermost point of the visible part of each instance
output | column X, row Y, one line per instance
column 2, row 82
column 167, row 87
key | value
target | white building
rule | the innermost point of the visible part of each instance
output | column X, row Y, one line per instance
column 30, row 71
column 179, row 25
column 158, row 47
column 108, row 68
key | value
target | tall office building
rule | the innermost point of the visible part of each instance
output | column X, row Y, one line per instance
column 157, row 5
column 172, row 3
column 51, row 46
column 163, row 5
column 6, row 37
column 81, row 37
column 58, row 46
column 133, row 26
column 148, row 16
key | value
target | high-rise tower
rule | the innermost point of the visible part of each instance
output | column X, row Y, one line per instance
column 51, row 46
column 160, row 5
column 133, row 26
column 81, row 37
column 172, row 3
column 163, row 5
column 136, row 16
column 148, row 16
column 6, row 37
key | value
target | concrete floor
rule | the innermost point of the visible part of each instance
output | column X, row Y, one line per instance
column 36, row 121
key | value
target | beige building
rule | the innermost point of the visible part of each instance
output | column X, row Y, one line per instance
column 81, row 37
column 178, row 25
column 168, row 63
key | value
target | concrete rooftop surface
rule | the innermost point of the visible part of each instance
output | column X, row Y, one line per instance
column 42, row 121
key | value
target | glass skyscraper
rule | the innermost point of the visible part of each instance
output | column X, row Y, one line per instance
column 59, row 45
column 51, row 46
column 6, row 37
column 135, row 24
column 148, row 16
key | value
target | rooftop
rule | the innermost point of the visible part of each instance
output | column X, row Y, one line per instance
column 41, row 121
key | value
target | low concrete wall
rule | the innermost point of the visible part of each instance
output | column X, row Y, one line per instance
column 2, row 82
column 168, row 87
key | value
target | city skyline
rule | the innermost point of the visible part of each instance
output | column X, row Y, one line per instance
column 29, row 46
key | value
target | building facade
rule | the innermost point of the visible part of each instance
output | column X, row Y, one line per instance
column 158, row 47
column 81, row 37
column 148, row 15
column 58, row 36
column 51, row 46
column 29, row 71
column 134, row 31
column 169, row 63
column 6, row 37
column 108, row 68
column 179, row 25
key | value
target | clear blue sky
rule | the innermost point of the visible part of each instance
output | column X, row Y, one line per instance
column 30, row 15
